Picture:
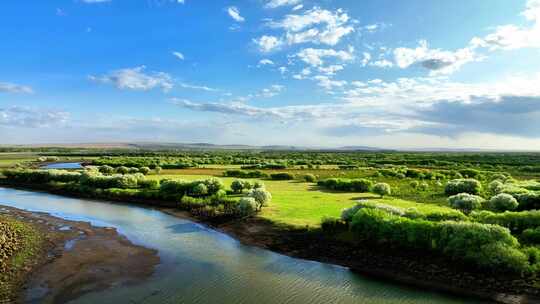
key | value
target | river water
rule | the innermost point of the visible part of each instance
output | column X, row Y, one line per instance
column 201, row 265
column 63, row 166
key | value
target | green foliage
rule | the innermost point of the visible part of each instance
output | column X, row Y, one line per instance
column 282, row 176
column 353, row 185
column 144, row 170
column 515, row 221
column 458, row 186
column 310, row 178
column 531, row 235
column 244, row 174
column 261, row 196
column 333, row 224
column 502, row 202
column 382, row 189
column 489, row 247
column 465, row 202
column 247, row 206
column 107, row 170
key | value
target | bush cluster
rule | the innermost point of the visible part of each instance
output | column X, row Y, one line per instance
column 490, row 247
column 282, row 176
column 515, row 221
column 465, row 202
column 468, row 185
column 340, row 184
column 244, row 174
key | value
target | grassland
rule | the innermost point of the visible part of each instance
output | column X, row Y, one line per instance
column 304, row 204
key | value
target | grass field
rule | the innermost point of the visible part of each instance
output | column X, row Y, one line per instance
column 299, row 203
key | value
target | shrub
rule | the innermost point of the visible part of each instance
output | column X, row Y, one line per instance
column 487, row 246
column 470, row 173
column 310, row 178
column 468, row 185
column 106, row 169
column 414, row 184
column 515, row 221
column 502, row 202
column 158, row 170
column 333, row 225
column 528, row 201
column 348, row 213
column 496, row 187
column 258, row 185
column 149, row 184
column 144, row 170
column 246, row 206
column 199, row 189
column 382, row 189
column 423, row 186
column 244, row 174
column 465, row 202
column 213, row 185
column 531, row 235
column 356, row 185
column 122, row 170
column 261, row 196
column 282, row 176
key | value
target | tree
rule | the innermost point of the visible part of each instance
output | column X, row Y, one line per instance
column 199, row 190
column 467, row 185
column 261, row 196
column 106, row 169
column 382, row 189
column 237, row 186
column 158, row 170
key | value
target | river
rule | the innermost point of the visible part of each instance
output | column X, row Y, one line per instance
column 201, row 265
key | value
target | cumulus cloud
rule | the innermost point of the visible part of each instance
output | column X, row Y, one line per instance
column 436, row 60
column 6, row 87
column 279, row 3
column 235, row 14
column 328, row 83
column 27, row 117
column 316, row 25
column 314, row 57
column 510, row 36
column 136, row 79
column 268, row 43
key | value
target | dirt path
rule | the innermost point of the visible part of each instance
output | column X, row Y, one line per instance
column 79, row 258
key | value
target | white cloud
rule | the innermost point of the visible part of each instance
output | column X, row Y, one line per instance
column 235, row 14
column 366, row 58
column 278, row 3
column 266, row 62
column 314, row 57
column 6, row 87
column 383, row 63
column 196, row 87
column 298, row 7
column 436, row 60
column 508, row 37
column 136, row 79
column 328, row 83
column 17, row 116
column 271, row 91
column 268, row 43
column 178, row 55
column 331, row 69
column 317, row 25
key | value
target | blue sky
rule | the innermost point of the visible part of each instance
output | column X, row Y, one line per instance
column 400, row 74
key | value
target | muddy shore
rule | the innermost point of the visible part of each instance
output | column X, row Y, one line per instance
column 420, row 270
column 78, row 258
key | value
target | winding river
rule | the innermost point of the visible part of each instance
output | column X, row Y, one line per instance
column 200, row 265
